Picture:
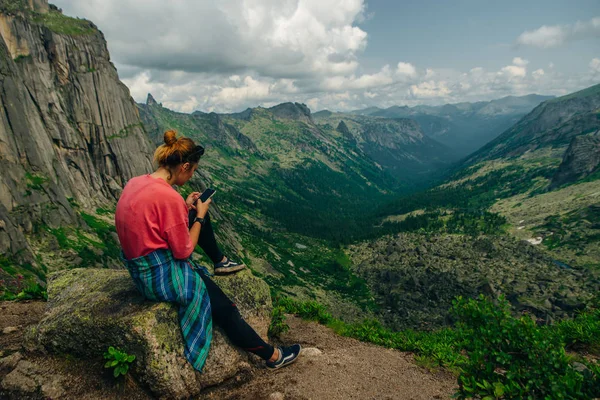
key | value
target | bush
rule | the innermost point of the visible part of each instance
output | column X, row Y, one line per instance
column 278, row 324
column 494, row 354
column 513, row 358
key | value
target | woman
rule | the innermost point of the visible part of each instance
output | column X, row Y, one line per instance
column 152, row 225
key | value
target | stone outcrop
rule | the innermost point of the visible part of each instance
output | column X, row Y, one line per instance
column 293, row 111
column 69, row 130
column 343, row 129
column 581, row 159
column 92, row 309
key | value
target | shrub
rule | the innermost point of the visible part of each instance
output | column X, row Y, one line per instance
column 512, row 357
column 278, row 324
column 494, row 354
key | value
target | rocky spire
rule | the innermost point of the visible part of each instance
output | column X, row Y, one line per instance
column 150, row 101
column 343, row 129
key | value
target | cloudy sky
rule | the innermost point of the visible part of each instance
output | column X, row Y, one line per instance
column 227, row 55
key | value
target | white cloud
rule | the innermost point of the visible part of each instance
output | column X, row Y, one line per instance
column 406, row 69
column 226, row 55
column 276, row 38
column 538, row 73
column 520, row 62
column 513, row 71
column 430, row 89
column 595, row 65
column 184, row 92
column 556, row 35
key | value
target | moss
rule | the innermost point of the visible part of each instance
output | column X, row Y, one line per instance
column 22, row 58
column 167, row 334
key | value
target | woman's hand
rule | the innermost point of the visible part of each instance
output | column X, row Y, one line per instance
column 191, row 200
column 202, row 208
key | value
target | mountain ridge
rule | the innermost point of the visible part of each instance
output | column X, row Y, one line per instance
column 464, row 127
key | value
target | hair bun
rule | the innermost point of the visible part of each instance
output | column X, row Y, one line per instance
column 170, row 137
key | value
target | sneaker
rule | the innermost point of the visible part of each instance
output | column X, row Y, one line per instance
column 287, row 355
column 228, row 267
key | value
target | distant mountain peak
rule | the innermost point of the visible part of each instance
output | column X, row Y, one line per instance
column 150, row 101
column 294, row 111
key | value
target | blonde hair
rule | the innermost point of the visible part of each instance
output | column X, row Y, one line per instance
column 177, row 151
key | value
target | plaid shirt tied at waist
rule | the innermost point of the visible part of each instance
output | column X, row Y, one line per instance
column 160, row 277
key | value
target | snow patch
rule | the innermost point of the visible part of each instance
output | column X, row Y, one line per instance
column 536, row 241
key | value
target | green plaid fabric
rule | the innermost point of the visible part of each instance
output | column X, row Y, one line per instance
column 160, row 277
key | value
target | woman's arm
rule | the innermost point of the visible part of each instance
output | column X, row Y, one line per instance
column 202, row 210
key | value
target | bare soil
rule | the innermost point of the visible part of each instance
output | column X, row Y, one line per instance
column 341, row 368
column 346, row 369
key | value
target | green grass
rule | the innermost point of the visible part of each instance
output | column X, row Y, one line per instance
column 59, row 23
column 317, row 266
column 20, row 281
column 13, row 6
column 573, row 230
column 105, row 250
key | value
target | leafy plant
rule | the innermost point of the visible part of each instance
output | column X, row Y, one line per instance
column 34, row 291
column 118, row 360
column 278, row 324
column 514, row 358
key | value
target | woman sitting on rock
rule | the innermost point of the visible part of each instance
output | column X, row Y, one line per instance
column 152, row 225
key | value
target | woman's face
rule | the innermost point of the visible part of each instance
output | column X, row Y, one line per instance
column 186, row 171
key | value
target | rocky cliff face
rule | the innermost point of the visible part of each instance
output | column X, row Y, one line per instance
column 581, row 159
column 70, row 134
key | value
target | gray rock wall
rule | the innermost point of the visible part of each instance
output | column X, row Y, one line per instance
column 69, row 129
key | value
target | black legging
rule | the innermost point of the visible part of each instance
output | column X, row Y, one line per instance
column 226, row 315
column 224, row 312
column 207, row 240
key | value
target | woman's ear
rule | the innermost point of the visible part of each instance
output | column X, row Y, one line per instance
column 186, row 166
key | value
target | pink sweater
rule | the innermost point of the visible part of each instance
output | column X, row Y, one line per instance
column 151, row 215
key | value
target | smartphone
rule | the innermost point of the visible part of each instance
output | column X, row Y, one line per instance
column 207, row 194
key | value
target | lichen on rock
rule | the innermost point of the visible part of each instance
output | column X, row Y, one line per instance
column 92, row 309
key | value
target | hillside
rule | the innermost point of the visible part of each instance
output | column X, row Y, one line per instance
column 398, row 145
column 464, row 127
column 295, row 186
column 551, row 125
column 537, row 183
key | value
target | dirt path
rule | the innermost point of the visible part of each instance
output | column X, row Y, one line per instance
column 346, row 369
column 334, row 368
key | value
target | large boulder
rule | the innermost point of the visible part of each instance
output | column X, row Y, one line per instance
column 92, row 309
